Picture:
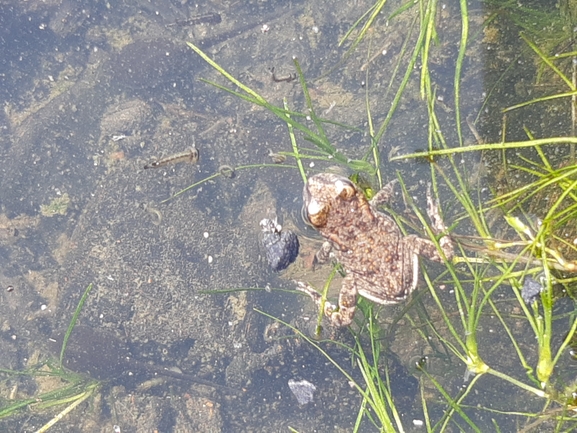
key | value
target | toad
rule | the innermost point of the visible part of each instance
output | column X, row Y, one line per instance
column 380, row 263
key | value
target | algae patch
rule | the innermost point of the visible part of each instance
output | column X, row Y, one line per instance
column 57, row 206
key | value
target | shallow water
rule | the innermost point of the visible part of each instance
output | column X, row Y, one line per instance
column 87, row 109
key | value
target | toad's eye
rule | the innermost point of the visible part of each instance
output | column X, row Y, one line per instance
column 345, row 190
column 316, row 214
column 318, row 220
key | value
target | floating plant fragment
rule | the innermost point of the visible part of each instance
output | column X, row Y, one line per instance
column 57, row 206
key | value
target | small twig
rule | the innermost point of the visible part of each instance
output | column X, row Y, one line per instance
column 287, row 79
column 190, row 156
column 209, row 18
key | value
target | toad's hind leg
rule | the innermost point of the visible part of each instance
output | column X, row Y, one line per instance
column 341, row 315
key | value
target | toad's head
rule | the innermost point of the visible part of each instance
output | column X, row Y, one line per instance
column 327, row 196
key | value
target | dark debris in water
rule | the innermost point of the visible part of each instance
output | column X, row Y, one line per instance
column 282, row 246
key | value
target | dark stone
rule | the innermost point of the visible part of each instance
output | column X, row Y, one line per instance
column 531, row 290
column 282, row 246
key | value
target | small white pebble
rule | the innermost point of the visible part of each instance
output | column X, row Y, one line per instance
column 43, row 307
column 264, row 29
column 209, row 260
column 312, row 164
column 205, row 234
column 418, row 423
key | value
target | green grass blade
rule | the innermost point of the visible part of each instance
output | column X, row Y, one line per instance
column 73, row 322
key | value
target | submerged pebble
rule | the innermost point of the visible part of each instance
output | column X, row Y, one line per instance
column 303, row 390
column 531, row 290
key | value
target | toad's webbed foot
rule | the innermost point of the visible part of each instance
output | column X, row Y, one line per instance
column 324, row 253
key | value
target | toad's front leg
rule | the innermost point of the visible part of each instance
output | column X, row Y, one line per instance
column 383, row 196
column 425, row 247
column 341, row 316
column 324, row 253
column 438, row 226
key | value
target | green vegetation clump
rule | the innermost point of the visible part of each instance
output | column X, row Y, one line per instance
column 511, row 196
column 57, row 206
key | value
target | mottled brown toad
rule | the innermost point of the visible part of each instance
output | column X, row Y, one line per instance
column 380, row 263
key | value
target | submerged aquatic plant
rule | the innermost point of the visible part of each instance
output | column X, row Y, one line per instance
column 499, row 255
column 73, row 390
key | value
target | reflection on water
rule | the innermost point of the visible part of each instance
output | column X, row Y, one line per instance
column 93, row 95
